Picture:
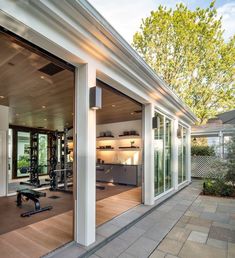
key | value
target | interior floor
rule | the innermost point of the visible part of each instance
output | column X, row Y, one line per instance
column 48, row 234
column 62, row 202
column 14, row 184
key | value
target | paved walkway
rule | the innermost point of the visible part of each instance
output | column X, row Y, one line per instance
column 207, row 230
column 187, row 226
column 142, row 238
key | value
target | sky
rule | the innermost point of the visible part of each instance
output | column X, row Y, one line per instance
column 126, row 15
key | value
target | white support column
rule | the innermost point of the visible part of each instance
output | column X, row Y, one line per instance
column 175, row 154
column 85, row 131
column 4, row 118
column 188, row 155
column 148, row 155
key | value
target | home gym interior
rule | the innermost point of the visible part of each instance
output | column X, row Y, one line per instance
column 38, row 88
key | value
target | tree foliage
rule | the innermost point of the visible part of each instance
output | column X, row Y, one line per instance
column 197, row 150
column 186, row 48
column 231, row 161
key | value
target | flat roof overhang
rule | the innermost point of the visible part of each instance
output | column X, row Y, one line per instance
column 82, row 26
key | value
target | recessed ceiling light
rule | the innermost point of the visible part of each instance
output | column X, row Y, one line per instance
column 45, row 119
column 113, row 105
column 42, row 77
column 43, row 107
column 2, row 97
column 132, row 113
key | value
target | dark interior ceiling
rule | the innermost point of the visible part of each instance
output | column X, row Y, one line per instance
column 40, row 93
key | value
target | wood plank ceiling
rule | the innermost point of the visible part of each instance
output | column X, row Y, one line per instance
column 37, row 99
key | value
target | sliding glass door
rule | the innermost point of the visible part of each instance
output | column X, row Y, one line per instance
column 181, row 154
column 162, row 154
column 159, row 156
column 168, row 150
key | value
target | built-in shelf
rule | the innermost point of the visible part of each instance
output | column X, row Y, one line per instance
column 129, row 149
column 105, row 139
column 130, row 137
column 120, row 149
column 105, row 149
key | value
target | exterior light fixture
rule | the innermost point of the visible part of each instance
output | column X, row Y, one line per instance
column 95, row 98
column 179, row 133
column 156, row 122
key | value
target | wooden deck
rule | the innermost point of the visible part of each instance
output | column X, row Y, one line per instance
column 42, row 237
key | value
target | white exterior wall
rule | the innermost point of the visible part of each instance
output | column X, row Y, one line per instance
column 148, row 155
column 78, row 40
column 4, row 118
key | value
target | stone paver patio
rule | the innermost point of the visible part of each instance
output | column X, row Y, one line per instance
column 142, row 238
column 206, row 230
column 187, row 225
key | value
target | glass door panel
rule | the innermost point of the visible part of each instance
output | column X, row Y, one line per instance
column 168, row 180
column 180, row 154
column 42, row 153
column 184, row 155
column 182, row 144
column 23, row 153
column 159, row 156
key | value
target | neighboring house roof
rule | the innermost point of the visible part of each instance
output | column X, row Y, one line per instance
column 227, row 117
column 224, row 123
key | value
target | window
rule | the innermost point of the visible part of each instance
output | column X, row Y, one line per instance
column 42, row 153
column 23, row 153
column 162, row 155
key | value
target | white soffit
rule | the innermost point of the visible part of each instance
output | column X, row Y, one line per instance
column 83, row 25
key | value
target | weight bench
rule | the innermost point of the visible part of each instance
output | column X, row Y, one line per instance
column 33, row 196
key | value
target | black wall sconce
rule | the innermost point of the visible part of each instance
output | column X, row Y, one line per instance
column 156, row 122
column 179, row 134
column 95, row 98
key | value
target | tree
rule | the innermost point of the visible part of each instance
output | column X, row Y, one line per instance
column 186, row 48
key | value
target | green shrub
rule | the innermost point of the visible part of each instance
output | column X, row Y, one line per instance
column 231, row 161
column 23, row 161
column 218, row 187
column 197, row 150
